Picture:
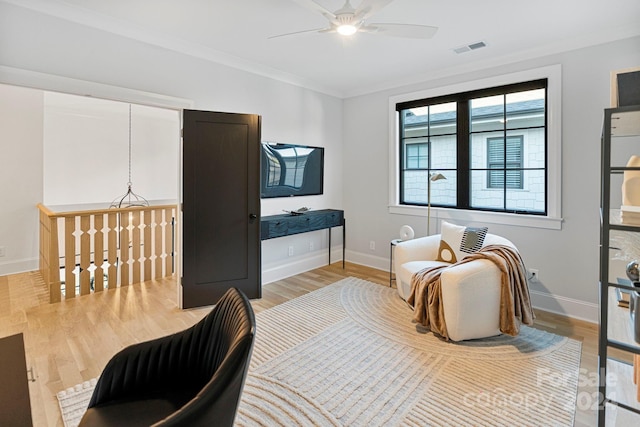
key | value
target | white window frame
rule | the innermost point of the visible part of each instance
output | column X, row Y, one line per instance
column 553, row 219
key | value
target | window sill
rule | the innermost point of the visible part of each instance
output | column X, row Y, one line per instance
column 533, row 221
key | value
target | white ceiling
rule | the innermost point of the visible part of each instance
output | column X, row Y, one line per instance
column 235, row 32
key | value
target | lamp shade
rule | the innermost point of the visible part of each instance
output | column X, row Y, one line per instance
column 437, row 177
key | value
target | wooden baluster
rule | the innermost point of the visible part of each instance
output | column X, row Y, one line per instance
column 147, row 245
column 98, row 253
column 54, row 262
column 135, row 245
column 125, row 223
column 112, row 250
column 85, row 255
column 69, row 257
column 157, row 214
column 45, row 251
column 43, row 233
column 168, row 240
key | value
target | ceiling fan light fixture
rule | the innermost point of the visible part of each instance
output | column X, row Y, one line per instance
column 346, row 29
column 348, row 20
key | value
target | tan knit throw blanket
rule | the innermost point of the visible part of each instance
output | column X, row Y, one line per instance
column 515, row 302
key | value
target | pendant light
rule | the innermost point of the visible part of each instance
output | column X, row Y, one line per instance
column 129, row 199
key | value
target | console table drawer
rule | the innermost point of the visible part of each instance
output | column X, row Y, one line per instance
column 275, row 229
column 334, row 219
column 298, row 225
column 286, row 225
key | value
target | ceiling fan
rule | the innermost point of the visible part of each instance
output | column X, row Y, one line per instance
column 348, row 20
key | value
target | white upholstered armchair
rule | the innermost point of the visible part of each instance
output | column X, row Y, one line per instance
column 470, row 291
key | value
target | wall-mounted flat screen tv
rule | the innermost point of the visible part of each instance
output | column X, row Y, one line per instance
column 291, row 170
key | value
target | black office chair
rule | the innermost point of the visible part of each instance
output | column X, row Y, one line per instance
column 191, row 378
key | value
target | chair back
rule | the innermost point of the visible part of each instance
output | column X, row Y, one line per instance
column 494, row 239
column 223, row 344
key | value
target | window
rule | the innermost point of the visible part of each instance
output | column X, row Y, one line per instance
column 417, row 155
column 503, row 165
column 490, row 144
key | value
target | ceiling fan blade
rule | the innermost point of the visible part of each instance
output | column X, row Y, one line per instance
column 312, row 5
column 295, row 33
column 368, row 8
column 409, row 31
column 328, row 30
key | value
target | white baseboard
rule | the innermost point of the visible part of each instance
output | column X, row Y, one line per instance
column 564, row 306
column 299, row 265
column 368, row 260
column 18, row 266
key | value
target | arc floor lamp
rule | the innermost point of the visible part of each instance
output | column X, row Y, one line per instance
column 432, row 177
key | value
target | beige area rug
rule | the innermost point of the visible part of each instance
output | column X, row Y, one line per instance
column 349, row 355
column 74, row 401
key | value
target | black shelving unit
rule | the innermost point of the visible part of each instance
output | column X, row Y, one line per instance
column 620, row 139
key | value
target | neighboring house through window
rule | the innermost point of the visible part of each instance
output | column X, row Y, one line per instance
column 490, row 144
column 498, row 142
column 503, row 165
column 417, row 155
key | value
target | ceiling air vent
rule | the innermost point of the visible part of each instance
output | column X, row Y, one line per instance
column 469, row 47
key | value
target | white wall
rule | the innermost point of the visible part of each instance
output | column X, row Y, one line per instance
column 20, row 176
column 44, row 44
column 86, row 150
column 567, row 259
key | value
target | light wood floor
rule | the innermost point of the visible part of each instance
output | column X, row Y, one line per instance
column 70, row 342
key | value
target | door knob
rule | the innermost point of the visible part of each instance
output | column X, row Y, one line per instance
column 253, row 216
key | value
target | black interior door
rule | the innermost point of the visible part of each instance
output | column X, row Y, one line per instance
column 221, row 206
